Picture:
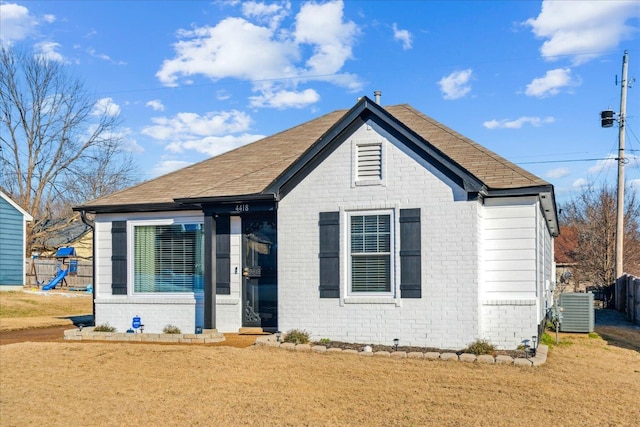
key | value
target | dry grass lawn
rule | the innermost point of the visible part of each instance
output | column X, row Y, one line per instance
column 28, row 310
column 586, row 381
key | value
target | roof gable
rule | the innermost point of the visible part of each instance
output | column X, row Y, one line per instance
column 17, row 207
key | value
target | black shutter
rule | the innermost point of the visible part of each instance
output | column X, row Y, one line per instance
column 223, row 255
column 329, row 254
column 410, row 260
column 119, row 257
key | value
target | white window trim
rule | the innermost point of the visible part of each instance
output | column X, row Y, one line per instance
column 368, row 297
column 131, row 255
column 354, row 162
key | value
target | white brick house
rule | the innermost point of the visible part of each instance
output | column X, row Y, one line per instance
column 363, row 225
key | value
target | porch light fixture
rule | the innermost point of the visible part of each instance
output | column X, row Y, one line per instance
column 534, row 346
column 396, row 341
column 278, row 335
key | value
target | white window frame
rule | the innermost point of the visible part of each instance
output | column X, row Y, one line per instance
column 392, row 254
column 131, row 225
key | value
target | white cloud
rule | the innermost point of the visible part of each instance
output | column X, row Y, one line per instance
column 47, row 51
column 403, row 36
column 456, row 85
column 15, row 22
column 518, row 123
column 580, row 183
column 222, row 95
column 604, row 164
column 322, row 27
column 213, row 145
column 194, row 124
column 167, row 166
column 558, row 173
column 285, row 99
column 271, row 14
column 156, row 104
column 582, row 29
column 234, row 48
column 212, row 133
column 551, row 83
column 49, row 18
column 95, row 54
column 316, row 49
column 106, row 106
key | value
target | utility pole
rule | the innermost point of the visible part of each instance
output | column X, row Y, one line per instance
column 621, row 161
column 607, row 122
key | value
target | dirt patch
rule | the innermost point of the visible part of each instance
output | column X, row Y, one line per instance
column 617, row 330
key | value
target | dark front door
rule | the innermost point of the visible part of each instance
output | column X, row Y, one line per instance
column 259, row 272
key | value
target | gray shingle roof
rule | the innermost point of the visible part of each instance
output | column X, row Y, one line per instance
column 252, row 168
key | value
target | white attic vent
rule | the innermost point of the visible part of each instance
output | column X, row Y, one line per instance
column 369, row 164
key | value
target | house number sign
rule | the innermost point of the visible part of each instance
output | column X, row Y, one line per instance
column 242, row 208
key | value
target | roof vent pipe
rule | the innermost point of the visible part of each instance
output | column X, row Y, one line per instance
column 377, row 95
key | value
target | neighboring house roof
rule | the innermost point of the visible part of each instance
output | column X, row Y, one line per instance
column 16, row 206
column 262, row 169
column 61, row 232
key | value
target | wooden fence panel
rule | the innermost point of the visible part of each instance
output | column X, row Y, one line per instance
column 627, row 290
column 41, row 270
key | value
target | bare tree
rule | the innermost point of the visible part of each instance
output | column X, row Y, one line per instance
column 58, row 147
column 591, row 217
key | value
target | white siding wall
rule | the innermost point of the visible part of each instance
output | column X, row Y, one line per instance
column 447, row 314
column 514, row 269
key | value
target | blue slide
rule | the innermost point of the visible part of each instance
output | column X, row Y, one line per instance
column 54, row 282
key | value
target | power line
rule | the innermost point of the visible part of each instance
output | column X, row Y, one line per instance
column 566, row 161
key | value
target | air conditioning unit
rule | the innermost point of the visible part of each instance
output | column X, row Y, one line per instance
column 578, row 314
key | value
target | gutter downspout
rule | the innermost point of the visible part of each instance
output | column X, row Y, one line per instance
column 91, row 224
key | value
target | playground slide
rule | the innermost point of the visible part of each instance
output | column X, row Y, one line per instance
column 54, row 282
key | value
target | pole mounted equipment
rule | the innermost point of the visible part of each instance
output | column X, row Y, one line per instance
column 607, row 119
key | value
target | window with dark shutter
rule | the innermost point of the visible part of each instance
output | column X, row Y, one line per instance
column 223, row 256
column 168, row 258
column 119, row 258
column 410, row 249
column 329, row 255
column 370, row 248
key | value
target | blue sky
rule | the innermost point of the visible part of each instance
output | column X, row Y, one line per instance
column 192, row 79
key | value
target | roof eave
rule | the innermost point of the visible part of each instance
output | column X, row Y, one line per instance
column 241, row 198
column 131, row 208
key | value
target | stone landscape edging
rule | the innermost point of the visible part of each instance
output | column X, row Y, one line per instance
column 213, row 336
column 207, row 336
column 539, row 359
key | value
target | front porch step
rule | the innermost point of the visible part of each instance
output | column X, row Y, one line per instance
column 252, row 331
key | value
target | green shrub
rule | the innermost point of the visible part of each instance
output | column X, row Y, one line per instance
column 171, row 329
column 105, row 327
column 547, row 340
column 325, row 340
column 296, row 336
column 479, row 347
